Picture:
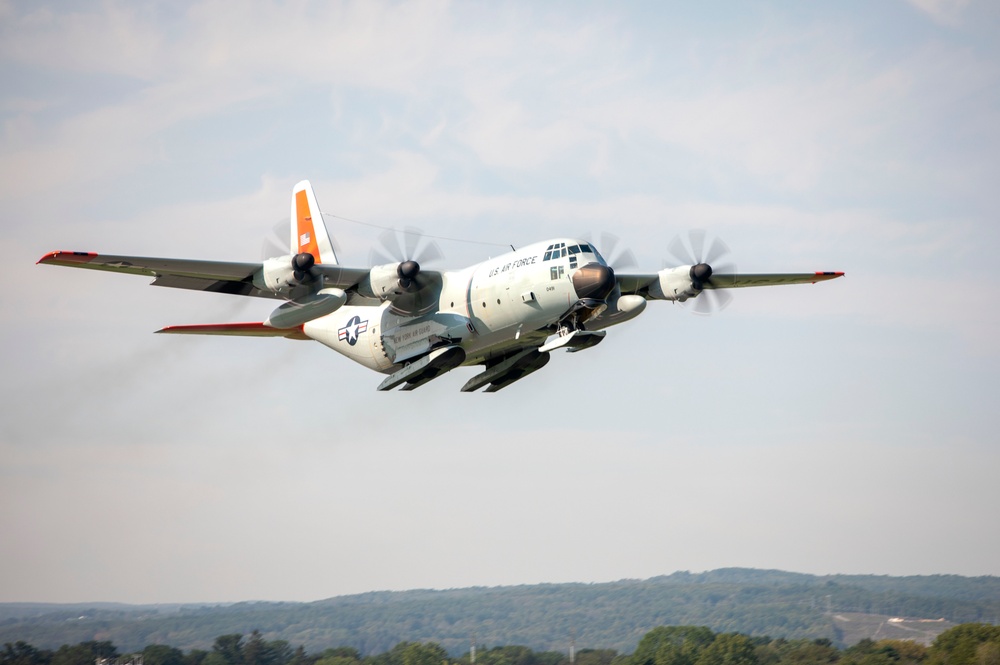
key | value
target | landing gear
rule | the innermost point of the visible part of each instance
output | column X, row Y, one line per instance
column 576, row 318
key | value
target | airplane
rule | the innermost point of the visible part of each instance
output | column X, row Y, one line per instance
column 506, row 314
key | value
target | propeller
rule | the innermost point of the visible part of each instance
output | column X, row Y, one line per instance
column 275, row 244
column 619, row 258
column 303, row 263
column 695, row 253
column 409, row 249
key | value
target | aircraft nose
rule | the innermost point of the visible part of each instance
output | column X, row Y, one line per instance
column 594, row 281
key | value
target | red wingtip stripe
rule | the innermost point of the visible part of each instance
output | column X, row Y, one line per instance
column 69, row 257
column 822, row 276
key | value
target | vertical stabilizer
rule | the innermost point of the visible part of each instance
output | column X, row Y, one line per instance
column 308, row 230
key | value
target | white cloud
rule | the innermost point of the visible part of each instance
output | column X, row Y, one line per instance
column 945, row 12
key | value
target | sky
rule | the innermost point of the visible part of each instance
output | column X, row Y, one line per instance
column 844, row 427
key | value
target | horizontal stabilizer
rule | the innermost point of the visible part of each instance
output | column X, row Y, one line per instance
column 235, row 329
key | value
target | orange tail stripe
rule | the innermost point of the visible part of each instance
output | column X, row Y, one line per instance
column 304, row 225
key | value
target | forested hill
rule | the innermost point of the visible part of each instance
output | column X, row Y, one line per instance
column 614, row 615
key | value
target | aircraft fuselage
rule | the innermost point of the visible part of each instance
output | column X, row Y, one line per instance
column 487, row 309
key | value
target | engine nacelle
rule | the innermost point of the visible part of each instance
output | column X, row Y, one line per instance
column 381, row 282
column 674, row 284
column 283, row 272
column 296, row 312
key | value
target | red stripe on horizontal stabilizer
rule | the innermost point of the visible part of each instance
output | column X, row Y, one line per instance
column 254, row 329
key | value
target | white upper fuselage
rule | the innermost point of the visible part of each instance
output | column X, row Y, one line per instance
column 489, row 307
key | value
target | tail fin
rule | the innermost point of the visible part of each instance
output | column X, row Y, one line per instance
column 308, row 230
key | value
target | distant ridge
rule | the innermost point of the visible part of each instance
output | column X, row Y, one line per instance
column 606, row 615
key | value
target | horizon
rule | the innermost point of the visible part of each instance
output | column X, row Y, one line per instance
column 481, row 587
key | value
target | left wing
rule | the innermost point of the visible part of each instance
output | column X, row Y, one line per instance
column 310, row 267
column 216, row 276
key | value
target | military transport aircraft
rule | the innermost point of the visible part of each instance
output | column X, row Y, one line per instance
column 506, row 314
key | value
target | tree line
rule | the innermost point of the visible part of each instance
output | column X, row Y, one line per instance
column 965, row 644
column 611, row 615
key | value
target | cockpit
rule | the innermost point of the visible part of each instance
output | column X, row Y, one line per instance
column 579, row 254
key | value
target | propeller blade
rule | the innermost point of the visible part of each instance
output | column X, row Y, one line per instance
column 702, row 305
column 408, row 245
column 722, row 298
column 411, row 238
column 625, row 260
column 620, row 259
column 275, row 243
column 716, row 251
column 390, row 242
column 377, row 258
column 697, row 239
column 609, row 242
column 679, row 251
column 724, row 269
column 429, row 253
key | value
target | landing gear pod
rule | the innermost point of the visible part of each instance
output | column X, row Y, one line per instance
column 416, row 338
column 296, row 312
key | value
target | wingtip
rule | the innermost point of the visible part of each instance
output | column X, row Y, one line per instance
column 64, row 256
column 823, row 275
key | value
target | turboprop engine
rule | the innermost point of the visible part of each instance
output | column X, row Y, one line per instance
column 681, row 283
column 284, row 273
column 389, row 279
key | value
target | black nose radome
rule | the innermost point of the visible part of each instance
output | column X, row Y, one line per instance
column 594, row 281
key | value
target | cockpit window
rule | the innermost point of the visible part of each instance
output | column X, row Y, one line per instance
column 560, row 250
